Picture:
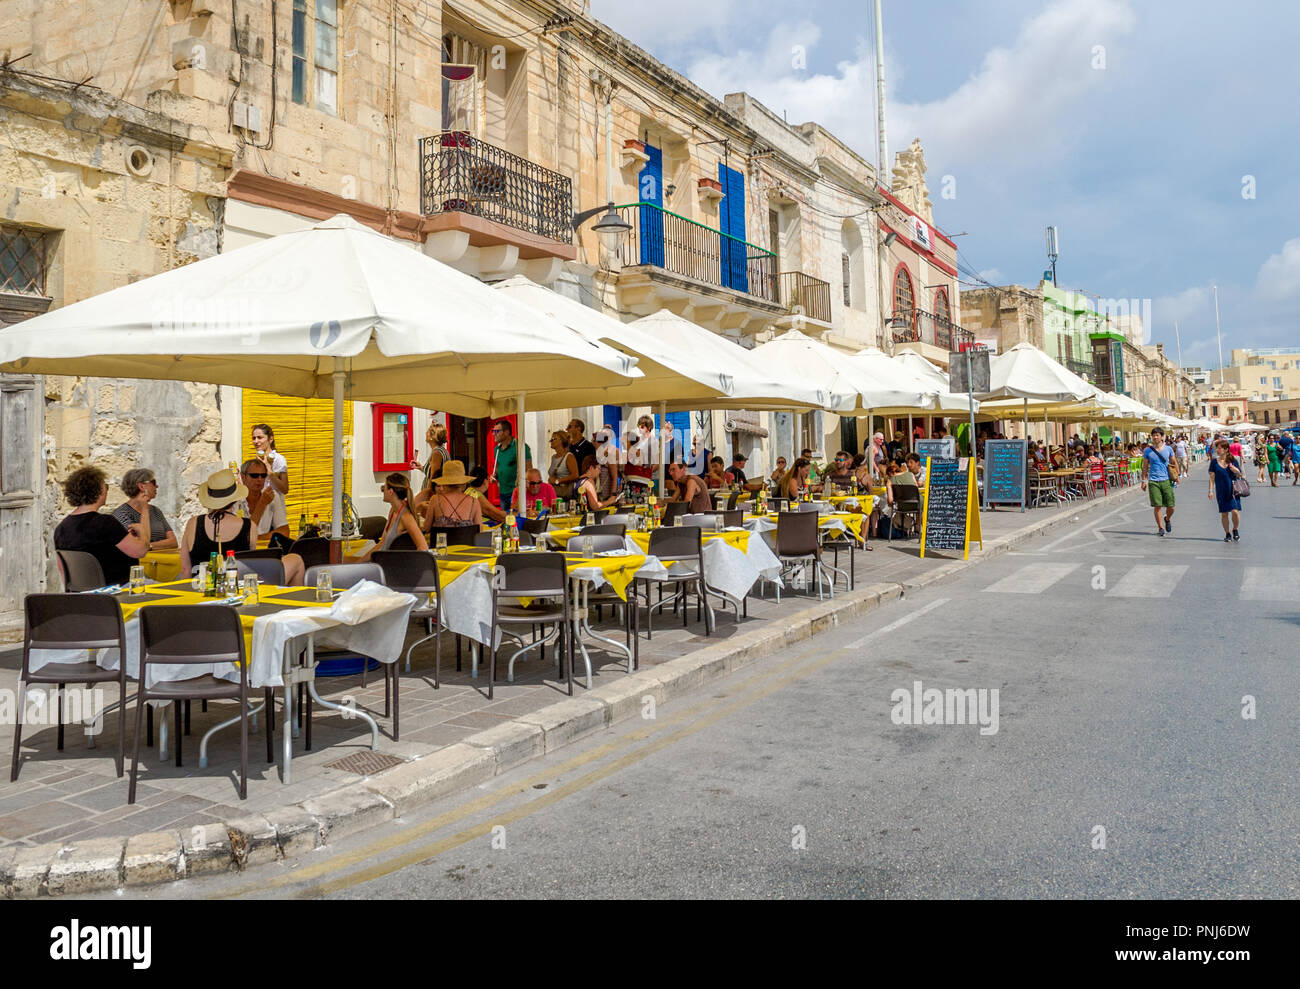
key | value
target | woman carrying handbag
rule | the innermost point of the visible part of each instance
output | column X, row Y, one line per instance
column 1227, row 485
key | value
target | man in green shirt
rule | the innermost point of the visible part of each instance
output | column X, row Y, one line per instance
column 507, row 461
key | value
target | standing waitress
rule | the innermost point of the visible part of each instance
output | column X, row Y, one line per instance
column 277, row 469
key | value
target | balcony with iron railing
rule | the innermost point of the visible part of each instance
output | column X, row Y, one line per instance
column 806, row 294
column 461, row 176
column 684, row 247
column 918, row 326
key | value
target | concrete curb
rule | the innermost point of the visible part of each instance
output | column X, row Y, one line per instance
column 77, row 867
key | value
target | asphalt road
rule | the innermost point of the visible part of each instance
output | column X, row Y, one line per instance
column 1123, row 664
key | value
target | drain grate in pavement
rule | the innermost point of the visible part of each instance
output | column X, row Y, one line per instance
column 365, row 763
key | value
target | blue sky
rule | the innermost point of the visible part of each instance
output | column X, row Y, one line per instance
column 1139, row 154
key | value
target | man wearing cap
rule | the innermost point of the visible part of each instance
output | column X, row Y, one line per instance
column 737, row 473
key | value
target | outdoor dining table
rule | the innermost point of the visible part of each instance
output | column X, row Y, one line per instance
column 839, row 522
column 465, row 578
column 733, row 562
column 165, row 565
column 368, row 618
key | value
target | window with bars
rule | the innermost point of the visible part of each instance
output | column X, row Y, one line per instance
column 903, row 294
column 316, row 54
column 941, row 307
column 22, row 261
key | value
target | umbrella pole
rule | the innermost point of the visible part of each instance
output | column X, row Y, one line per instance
column 337, row 505
column 663, row 418
column 911, row 435
column 521, row 461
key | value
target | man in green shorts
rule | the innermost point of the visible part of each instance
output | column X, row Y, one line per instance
column 1157, row 480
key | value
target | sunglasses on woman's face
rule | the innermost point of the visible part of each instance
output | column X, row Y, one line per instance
column 260, row 477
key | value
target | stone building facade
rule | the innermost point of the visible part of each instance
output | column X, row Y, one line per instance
column 1004, row 316
column 97, row 192
column 471, row 131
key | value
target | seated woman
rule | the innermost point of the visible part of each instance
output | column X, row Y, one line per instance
column 86, row 530
column 477, row 489
column 141, row 487
column 795, row 482
column 221, row 530
column 450, row 504
column 402, row 519
column 588, row 489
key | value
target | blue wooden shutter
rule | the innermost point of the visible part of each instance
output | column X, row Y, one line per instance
column 731, row 219
column 650, row 189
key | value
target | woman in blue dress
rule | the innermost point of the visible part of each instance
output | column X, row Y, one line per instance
column 1224, row 469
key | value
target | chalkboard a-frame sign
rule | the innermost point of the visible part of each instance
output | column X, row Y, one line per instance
column 1004, row 470
column 950, row 518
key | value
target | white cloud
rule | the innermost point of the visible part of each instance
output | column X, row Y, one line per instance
column 669, row 22
column 1279, row 276
column 1021, row 105
column 991, row 275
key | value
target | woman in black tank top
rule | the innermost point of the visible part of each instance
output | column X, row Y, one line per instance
column 220, row 530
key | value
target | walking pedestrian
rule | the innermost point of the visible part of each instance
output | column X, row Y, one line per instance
column 1224, row 469
column 1261, row 456
column 1274, row 459
column 1159, row 471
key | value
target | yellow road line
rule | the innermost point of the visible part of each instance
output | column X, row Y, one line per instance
column 426, row 852
column 344, row 861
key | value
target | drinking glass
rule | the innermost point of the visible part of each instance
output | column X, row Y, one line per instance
column 324, row 587
column 137, row 580
column 440, row 544
column 677, row 520
column 590, row 519
column 250, row 588
column 588, row 548
column 717, row 523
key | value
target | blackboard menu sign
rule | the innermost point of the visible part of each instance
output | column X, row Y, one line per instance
column 947, row 504
column 945, row 448
column 1004, row 471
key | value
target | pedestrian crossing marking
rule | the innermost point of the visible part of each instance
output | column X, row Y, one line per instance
column 1148, row 582
column 1033, row 578
column 1271, row 584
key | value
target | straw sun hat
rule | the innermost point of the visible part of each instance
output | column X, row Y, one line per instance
column 453, row 472
column 221, row 489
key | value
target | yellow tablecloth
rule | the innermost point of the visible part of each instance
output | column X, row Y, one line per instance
column 166, row 564
column 180, row 592
column 618, row 570
column 852, row 521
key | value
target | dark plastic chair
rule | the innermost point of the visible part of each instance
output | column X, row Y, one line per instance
column 675, row 508
column 734, row 499
column 268, row 570
column 372, row 527
column 679, row 544
column 343, row 576
column 71, row 621
column 416, row 573
column 193, row 635
column 80, row 571
column 606, row 529
column 403, row 542
column 534, row 527
column 314, row 550
column 907, row 501
column 457, row 535
column 544, row 578
column 796, row 540
column 270, row 553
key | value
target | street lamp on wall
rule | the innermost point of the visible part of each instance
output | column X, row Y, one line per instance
column 610, row 229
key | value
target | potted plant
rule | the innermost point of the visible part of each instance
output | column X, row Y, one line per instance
column 713, row 184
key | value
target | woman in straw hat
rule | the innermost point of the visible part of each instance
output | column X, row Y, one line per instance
column 450, row 505
column 221, row 529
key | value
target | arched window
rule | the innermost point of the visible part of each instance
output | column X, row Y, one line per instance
column 854, row 272
column 904, row 299
column 941, row 308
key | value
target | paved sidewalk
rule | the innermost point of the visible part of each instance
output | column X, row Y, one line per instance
column 75, row 795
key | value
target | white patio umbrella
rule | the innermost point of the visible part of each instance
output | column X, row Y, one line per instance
column 305, row 312
column 755, row 385
column 1026, row 373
